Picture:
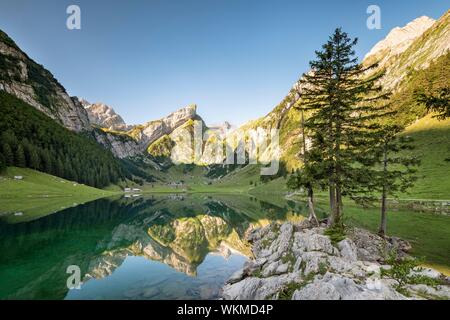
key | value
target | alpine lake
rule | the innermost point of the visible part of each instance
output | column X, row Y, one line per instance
column 156, row 246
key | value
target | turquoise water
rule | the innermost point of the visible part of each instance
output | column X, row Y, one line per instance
column 170, row 247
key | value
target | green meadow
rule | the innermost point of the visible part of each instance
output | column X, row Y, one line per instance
column 39, row 194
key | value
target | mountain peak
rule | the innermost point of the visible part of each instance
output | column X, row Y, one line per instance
column 181, row 115
column 84, row 102
column 400, row 38
column 104, row 115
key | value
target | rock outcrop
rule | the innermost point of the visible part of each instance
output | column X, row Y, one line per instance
column 302, row 263
column 120, row 144
column 104, row 116
column 153, row 130
column 32, row 83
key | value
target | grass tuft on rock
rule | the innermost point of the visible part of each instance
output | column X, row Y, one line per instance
column 335, row 233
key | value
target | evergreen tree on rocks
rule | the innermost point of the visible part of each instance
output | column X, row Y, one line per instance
column 308, row 177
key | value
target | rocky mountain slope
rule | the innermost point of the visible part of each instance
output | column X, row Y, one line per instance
column 412, row 47
column 399, row 39
column 159, row 138
column 30, row 82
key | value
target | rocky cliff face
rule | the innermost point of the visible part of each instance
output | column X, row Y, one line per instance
column 155, row 137
column 120, row 144
column 29, row 81
column 104, row 116
column 153, row 130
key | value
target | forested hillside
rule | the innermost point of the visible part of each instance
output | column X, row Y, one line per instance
column 31, row 139
column 429, row 81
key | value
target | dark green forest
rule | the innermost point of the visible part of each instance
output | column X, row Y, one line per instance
column 28, row 138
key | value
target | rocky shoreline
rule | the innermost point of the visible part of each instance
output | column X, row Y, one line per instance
column 301, row 262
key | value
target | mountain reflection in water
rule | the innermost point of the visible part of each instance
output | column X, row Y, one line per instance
column 157, row 247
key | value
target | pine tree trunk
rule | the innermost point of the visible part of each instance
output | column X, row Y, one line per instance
column 383, row 222
column 312, row 214
column 332, row 217
column 338, row 206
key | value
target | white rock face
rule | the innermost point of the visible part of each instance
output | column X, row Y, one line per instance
column 105, row 116
column 307, row 262
column 121, row 146
column 258, row 288
column 153, row 130
column 400, row 38
column 336, row 287
column 348, row 250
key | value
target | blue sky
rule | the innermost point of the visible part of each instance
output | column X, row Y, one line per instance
column 236, row 59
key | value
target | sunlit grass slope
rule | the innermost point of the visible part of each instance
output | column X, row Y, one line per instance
column 39, row 194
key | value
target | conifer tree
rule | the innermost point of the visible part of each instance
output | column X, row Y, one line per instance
column 19, row 157
column 7, row 154
column 438, row 103
column 308, row 176
column 2, row 163
column 33, row 158
column 59, row 168
column 343, row 102
column 398, row 168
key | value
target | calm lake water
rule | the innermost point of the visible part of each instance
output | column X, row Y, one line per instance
column 165, row 247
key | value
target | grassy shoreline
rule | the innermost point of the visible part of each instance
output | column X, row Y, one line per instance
column 39, row 194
